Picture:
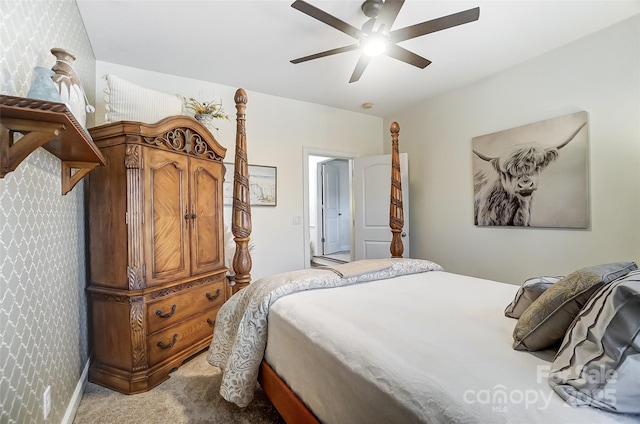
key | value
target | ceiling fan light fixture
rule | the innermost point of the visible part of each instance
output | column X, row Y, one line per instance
column 374, row 45
column 376, row 35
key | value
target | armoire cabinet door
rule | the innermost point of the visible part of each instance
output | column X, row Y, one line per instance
column 167, row 217
column 206, row 204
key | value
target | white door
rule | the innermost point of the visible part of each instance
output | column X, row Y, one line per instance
column 331, row 211
column 372, row 193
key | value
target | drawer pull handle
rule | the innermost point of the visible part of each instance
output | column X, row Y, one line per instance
column 210, row 322
column 168, row 314
column 170, row 345
column 214, row 297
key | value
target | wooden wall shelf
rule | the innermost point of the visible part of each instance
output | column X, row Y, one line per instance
column 52, row 126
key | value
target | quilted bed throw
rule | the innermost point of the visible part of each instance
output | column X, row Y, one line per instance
column 240, row 333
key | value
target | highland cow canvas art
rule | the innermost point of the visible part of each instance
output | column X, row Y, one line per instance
column 535, row 175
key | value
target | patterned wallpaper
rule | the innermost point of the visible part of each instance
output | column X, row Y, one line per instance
column 43, row 315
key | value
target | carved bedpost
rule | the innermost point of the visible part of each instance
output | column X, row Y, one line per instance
column 396, row 213
column 241, row 215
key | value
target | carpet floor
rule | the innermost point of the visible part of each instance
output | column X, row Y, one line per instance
column 189, row 396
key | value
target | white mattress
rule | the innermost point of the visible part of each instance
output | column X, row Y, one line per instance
column 432, row 347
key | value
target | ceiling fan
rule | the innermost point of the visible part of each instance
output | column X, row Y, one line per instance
column 376, row 36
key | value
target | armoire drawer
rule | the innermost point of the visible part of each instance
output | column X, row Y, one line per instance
column 180, row 336
column 174, row 308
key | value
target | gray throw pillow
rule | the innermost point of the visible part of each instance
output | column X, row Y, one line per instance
column 530, row 290
column 598, row 363
column 544, row 323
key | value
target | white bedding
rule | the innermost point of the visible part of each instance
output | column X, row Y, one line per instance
column 240, row 333
column 432, row 347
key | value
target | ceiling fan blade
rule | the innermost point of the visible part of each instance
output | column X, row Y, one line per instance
column 326, row 18
column 360, row 67
column 406, row 56
column 326, row 53
column 388, row 15
column 434, row 25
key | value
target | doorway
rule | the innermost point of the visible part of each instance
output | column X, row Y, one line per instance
column 340, row 169
column 369, row 232
column 329, row 210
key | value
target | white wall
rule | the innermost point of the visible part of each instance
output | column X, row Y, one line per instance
column 599, row 74
column 277, row 130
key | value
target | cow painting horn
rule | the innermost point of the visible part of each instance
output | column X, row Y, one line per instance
column 483, row 157
column 560, row 146
column 573, row 134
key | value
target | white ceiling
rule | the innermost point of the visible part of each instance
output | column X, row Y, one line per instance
column 249, row 44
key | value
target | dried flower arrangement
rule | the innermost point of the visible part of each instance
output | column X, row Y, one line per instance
column 212, row 108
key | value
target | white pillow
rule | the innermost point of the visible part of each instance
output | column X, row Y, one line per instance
column 598, row 364
column 126, row 101
column 530, row 290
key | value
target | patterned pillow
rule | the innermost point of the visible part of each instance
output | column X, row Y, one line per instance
column 545, row 322
column 530, row 290
column 127, row 101
column 598, row 363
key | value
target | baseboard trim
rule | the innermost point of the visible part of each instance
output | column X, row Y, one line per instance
column 74, row 403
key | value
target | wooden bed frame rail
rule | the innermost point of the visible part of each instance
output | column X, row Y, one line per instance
column 289, row 406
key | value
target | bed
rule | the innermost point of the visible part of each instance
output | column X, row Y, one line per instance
column 402, row 340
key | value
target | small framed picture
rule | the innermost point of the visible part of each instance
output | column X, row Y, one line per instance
column 263, row 184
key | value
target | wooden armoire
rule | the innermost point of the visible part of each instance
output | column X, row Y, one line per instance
column 156, row 245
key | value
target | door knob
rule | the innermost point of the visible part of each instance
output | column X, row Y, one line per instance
column 404, row 234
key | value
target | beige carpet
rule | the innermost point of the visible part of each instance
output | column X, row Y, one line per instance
column 189, row 396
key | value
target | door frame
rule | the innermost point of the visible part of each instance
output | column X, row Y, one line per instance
column 329, row 153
